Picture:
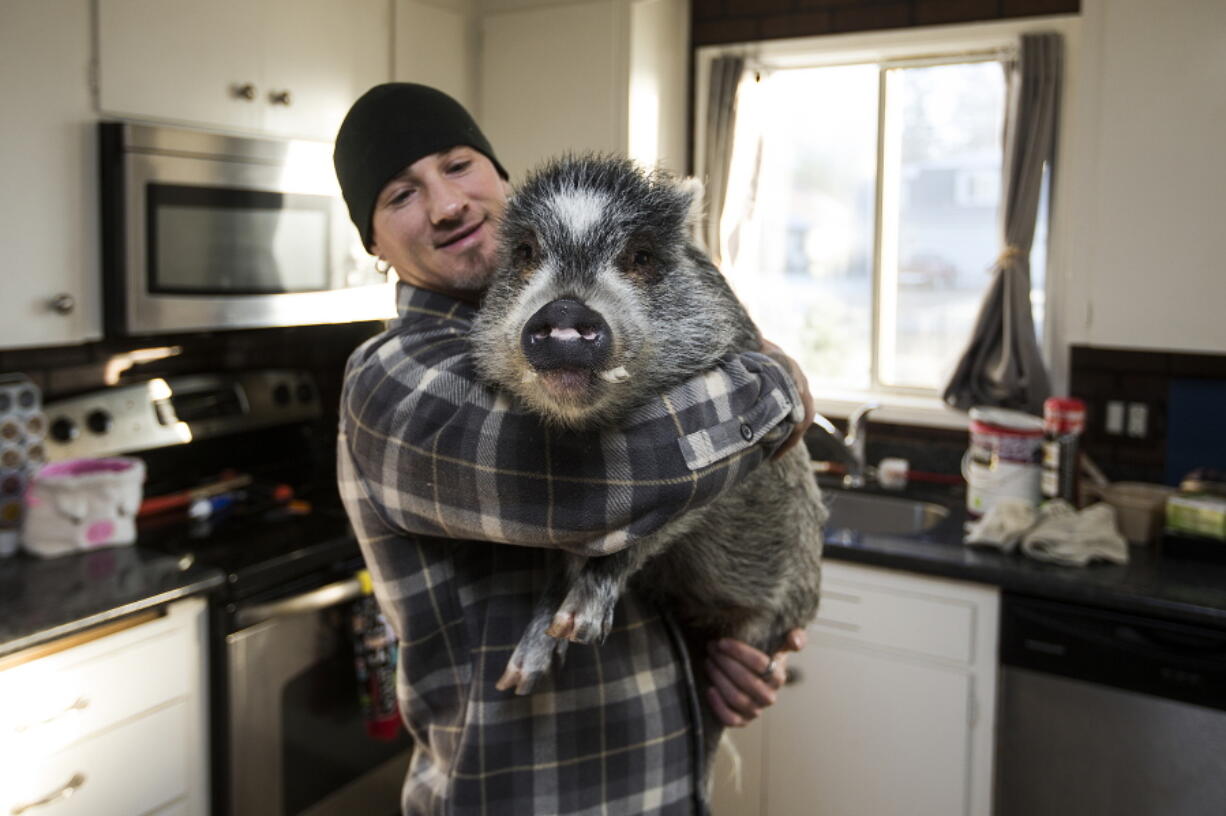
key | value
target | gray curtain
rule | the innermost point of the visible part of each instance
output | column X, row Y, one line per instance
column 717, row 154
column 1002, row 365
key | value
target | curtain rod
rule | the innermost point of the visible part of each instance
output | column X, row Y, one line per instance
column 1004, row 53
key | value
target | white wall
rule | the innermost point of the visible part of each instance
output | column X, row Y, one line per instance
column 1145, row 260
column 436, row 45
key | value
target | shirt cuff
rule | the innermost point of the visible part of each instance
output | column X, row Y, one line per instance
column 766, row 420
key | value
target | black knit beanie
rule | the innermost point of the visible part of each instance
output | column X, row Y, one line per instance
column 387, row 129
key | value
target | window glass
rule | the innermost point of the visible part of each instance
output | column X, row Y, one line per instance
column 801, row 243
column 862, row 216
column 941, row 190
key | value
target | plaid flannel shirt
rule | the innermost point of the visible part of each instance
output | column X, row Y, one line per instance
column 439, row 473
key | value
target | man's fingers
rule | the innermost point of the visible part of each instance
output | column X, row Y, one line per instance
column 725, row 714
column 742, row 652
column 733, row 696
column 795, row 641
column 802, row 387
column 759, row 689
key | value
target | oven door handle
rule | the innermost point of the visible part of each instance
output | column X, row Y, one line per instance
column 313, row 601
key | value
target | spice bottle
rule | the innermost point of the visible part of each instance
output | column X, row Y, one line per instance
column 1064, row 419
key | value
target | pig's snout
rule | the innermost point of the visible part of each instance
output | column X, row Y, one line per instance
column 566, row 334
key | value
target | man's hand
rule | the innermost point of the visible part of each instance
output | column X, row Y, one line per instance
column 802, row 385
column 741, row 685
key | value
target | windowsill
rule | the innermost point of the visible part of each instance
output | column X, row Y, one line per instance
column 896, row 409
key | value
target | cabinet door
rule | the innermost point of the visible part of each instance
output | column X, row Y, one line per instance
column 324, row 54
column 868, row 733
column 436, row 47
column 48, row 160
column 182, row 60
column 554, row 80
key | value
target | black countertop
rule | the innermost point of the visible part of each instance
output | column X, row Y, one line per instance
column 1189, row 590
column 41, row 600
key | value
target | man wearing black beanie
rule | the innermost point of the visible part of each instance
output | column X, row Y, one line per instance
column 439, row 474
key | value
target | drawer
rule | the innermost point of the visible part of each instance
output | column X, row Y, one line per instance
column 132, row 769
column 52, row 702
column 906, row 620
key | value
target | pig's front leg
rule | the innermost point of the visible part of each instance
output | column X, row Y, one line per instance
column 534, row 652
column 586, row 614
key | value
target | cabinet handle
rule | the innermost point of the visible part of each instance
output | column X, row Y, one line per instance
column 70, row 787
column 80, row 704
column 244, row 91
column 279, row 98
column 63, row 303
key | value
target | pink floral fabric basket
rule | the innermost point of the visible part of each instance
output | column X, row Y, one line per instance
column 81, row 504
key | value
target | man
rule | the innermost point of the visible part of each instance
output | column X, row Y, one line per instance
column 458, row 498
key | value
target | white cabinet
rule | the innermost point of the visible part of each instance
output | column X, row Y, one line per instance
column 48, row 160
column 606, row 76
column 116, row 724
column 437, row 46
column 892, row 707
column 287, row 67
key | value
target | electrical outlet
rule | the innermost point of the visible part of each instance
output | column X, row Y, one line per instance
column 1115, row 417
column 1138, row 420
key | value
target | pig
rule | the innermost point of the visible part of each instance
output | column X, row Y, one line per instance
column 601, row 301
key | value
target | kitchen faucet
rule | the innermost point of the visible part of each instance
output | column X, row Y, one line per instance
column 847, row 449
column 856, row 441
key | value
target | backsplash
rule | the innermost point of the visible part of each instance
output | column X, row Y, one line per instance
column 66, row 370
column 1151, row 415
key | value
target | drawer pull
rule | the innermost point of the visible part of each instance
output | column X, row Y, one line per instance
column 80, row 704
column 72, row 786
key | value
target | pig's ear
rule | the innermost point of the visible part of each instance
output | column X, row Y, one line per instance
column 693, row 187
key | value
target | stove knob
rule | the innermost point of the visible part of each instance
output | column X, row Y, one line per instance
column 281, row 394
column 99, row 421
column 64, row 430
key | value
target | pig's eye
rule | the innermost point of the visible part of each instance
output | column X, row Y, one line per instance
column 642, row 258
column 526, row 256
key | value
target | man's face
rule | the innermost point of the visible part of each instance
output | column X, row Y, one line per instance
column 436, row 222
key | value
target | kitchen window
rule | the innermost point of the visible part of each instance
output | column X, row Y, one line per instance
column 861, row 219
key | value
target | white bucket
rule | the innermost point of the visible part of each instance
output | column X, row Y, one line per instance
column 1004, row 459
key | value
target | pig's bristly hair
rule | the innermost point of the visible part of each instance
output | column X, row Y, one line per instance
column 636, row 198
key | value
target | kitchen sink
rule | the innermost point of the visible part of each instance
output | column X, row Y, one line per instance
column 883, row 515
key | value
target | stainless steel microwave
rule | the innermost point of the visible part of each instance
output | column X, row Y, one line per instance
column 205, row 231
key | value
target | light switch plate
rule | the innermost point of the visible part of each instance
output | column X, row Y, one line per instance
column 1138, row 420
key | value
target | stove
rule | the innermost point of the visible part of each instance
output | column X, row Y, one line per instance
column 241, row 476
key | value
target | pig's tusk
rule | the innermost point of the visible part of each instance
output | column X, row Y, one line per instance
column 615, row 375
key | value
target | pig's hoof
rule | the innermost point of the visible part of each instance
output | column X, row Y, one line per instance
column 562, row 627
column 529, row 662
column 586, row 626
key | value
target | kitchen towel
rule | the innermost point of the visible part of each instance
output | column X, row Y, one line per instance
column 1056, row 533
column 1003, row 526
column 1065, row 536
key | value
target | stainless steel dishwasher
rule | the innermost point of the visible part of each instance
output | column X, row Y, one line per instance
column 1108, row 713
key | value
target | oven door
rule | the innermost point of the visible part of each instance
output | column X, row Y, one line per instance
column 297, row 737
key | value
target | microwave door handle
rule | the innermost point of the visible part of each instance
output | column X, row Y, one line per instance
column 313, row 601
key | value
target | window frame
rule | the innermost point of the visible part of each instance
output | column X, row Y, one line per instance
column 907, row 48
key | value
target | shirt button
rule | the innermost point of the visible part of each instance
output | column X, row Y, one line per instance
column 746, row 432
